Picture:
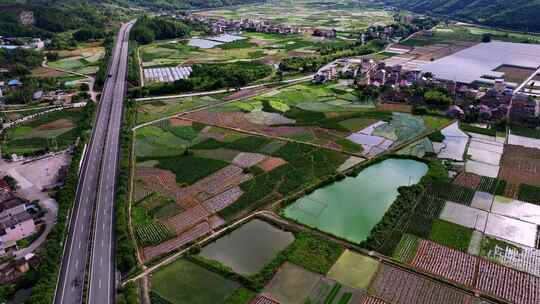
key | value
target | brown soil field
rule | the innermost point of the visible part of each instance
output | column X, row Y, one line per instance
column 271, row 163
column 56, row 125
column 45, row 72
column 179, row 122
column 468, row 180
column 372, row 300
column 520, row 165
column 157, row 180
column 515, row 74
column 93, row 48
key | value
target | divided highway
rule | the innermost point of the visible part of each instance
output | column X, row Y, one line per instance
column 90, row 242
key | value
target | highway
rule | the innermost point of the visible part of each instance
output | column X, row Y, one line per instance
column 93, row 207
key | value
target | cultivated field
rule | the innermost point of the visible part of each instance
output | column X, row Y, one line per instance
column 520, row 165
column 398, row 286
column 340, row 15
column 331, row 115
column 190, row 177
column 53, row 131
column 83, row 59
column 198, row 285
column 155, row 109
column 456, row 34
column 268, row 48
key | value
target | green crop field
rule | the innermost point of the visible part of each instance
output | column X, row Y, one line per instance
column 83, row 59
column 194, row 152
column 342, row 15
column 255, row 47
column 459, row 33
column 184, row 282
column 354, row 270
column 451, row 235
column 152, row 110
column 53, row 131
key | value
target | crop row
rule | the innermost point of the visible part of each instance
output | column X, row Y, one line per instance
column 430, row 206
column 509, row 284
column 525, row 259
column 445, row 262
column 452, row 192
column 152, row 234
column 401, row 287
column 477, row 273
column 406, row 248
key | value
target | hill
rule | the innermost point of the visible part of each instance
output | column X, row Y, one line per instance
column 516, row 14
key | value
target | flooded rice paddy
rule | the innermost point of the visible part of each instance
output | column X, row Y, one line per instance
column 351, row 207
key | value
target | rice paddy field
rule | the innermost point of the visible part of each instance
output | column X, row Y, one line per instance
column 331, row 115
column 156, row 109
column 191, row 178
column 343, row 15
column 269, row 48
column 197, row 284
column 84, row 59
column 52, row 131
column 456, row 34
column 249, row 248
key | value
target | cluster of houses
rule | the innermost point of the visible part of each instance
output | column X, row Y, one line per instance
column 222, row 25
column 17, row 222
column 487, row 103
column 6, row 86
column 57, row 97
column 12, row 43
column 368, row 71
column 380, row 74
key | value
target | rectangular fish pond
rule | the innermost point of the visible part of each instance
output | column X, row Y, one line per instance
column 249, row 248
column 350, row 208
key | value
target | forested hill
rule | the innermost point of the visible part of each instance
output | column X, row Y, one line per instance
column 188, row 4
column 515, row 14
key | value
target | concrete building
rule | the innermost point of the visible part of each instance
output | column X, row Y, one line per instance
column 12, row 205
column 16, row 227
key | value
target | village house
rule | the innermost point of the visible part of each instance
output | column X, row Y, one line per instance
column 523, row 111
column 16, row 222
column 16, row 227
column 455, row 112
column 11, row 205
column 11, row 43
column 325, row 33
column 326, row 74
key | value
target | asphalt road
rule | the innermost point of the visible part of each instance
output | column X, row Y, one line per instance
column 95, row 192
column 102, row 276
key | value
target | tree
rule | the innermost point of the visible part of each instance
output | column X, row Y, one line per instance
column 143, row 35
column 13, row 184
column 87, row 34
column 437, row 98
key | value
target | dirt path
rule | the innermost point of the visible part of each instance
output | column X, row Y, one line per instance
column 91, row 92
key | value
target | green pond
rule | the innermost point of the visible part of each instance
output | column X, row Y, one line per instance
column 351, row 207
column 249, row 248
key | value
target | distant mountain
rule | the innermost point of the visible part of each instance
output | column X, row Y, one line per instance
column 515, row 14
column 185, row 4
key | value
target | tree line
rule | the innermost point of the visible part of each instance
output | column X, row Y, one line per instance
column 313, row 63
column 206, row 77
column 147, row 29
